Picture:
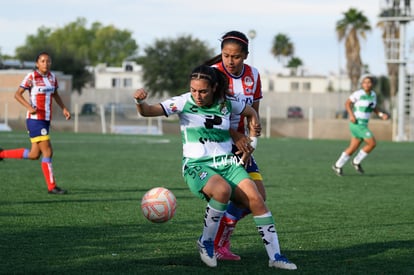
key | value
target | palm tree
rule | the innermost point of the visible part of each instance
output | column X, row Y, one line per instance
column 282, row 47
column 293, row 64
column 354, row 25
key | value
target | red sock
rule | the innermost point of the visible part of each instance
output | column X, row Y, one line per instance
column 48, row 173
column 12, row 153
column 224, row 231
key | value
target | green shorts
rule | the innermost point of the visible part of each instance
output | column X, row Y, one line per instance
column 360, row 131
column 197, row 174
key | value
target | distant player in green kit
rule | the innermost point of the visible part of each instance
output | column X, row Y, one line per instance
column 359, row 106
column 210, row 169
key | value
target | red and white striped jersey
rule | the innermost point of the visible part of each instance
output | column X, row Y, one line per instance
column 41, row 89
column 247, row 87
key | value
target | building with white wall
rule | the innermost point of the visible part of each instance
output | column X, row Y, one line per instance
column 128, row 76
column 315, row 84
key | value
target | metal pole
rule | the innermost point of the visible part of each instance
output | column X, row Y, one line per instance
column 401, row 85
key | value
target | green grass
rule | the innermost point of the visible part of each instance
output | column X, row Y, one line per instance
column 326, row 224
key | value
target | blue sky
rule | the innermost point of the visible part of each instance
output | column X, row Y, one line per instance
column 310, row 24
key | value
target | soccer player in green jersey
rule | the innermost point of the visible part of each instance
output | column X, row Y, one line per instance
column 210, row 169
column 359, row 106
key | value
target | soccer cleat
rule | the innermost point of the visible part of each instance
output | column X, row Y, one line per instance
column 206, row 249
column 57, row 191
column 337, row 170
column 224, row 253
column 358, row 167
column 282, row 262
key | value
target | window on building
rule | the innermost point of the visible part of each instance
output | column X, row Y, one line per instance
column 115, row 82
column 307, row 86
column 294, row 86
column 129, row 68
column 127, row 82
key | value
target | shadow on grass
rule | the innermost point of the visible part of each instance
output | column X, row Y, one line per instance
column 146, row 249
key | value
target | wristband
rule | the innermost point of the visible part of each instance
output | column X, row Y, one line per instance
column 253, row 142
column 138, row 101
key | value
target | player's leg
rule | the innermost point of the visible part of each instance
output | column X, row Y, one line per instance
column 18, row 153
column 354, row 143
column 207, row 184
column 370, row 144
column 39, row 136
column 23, row 153
column 234, row 214
column 247, row 194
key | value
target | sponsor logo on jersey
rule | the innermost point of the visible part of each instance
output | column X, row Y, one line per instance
column 202, row 175
column 46, row 90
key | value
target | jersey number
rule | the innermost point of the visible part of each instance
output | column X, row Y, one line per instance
column 211, row 121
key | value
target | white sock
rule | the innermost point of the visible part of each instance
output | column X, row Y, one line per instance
column 267, row 230
column 342, row 160
column 360, row 156
column 212, row 219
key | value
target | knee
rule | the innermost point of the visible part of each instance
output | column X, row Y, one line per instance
column 33, row 156
column 371, row 146
column 221, row 192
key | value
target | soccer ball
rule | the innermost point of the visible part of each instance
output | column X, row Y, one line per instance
column 158, row 205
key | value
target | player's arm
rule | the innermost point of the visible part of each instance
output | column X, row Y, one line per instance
column 256, row 106
column 348, row 107
column 20, row 98
column 253, row 120
column 144, row 108
column 383, row 116
column 246, row 145
column 59, row 101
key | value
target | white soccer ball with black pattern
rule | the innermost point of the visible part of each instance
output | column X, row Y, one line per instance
column 158, row 205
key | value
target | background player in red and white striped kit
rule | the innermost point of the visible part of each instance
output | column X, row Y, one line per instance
column 245, row 84
column 42, row 87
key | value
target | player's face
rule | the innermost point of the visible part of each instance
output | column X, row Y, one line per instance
column 233, row 58
column 367, row 84
column 44, row 63
column 202, row 92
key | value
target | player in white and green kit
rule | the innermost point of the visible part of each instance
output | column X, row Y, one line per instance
column 359, row 106
column 210, row 169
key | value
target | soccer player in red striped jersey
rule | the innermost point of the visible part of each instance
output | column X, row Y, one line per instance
column 245, row 84
column 42, row 87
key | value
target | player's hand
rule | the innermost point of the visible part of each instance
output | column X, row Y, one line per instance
column 352, row 118
column 32, row 110
column 140, row 94
column 66, row 113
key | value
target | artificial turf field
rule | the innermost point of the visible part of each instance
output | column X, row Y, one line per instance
column 356, row 224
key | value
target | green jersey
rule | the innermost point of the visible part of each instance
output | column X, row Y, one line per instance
column 363, row 105
column 204, row 130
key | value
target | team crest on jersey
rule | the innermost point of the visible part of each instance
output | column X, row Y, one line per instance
column 224, row 110
column 248, row 81
column 202, row 175
column 173, row 107
column 43, row 132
